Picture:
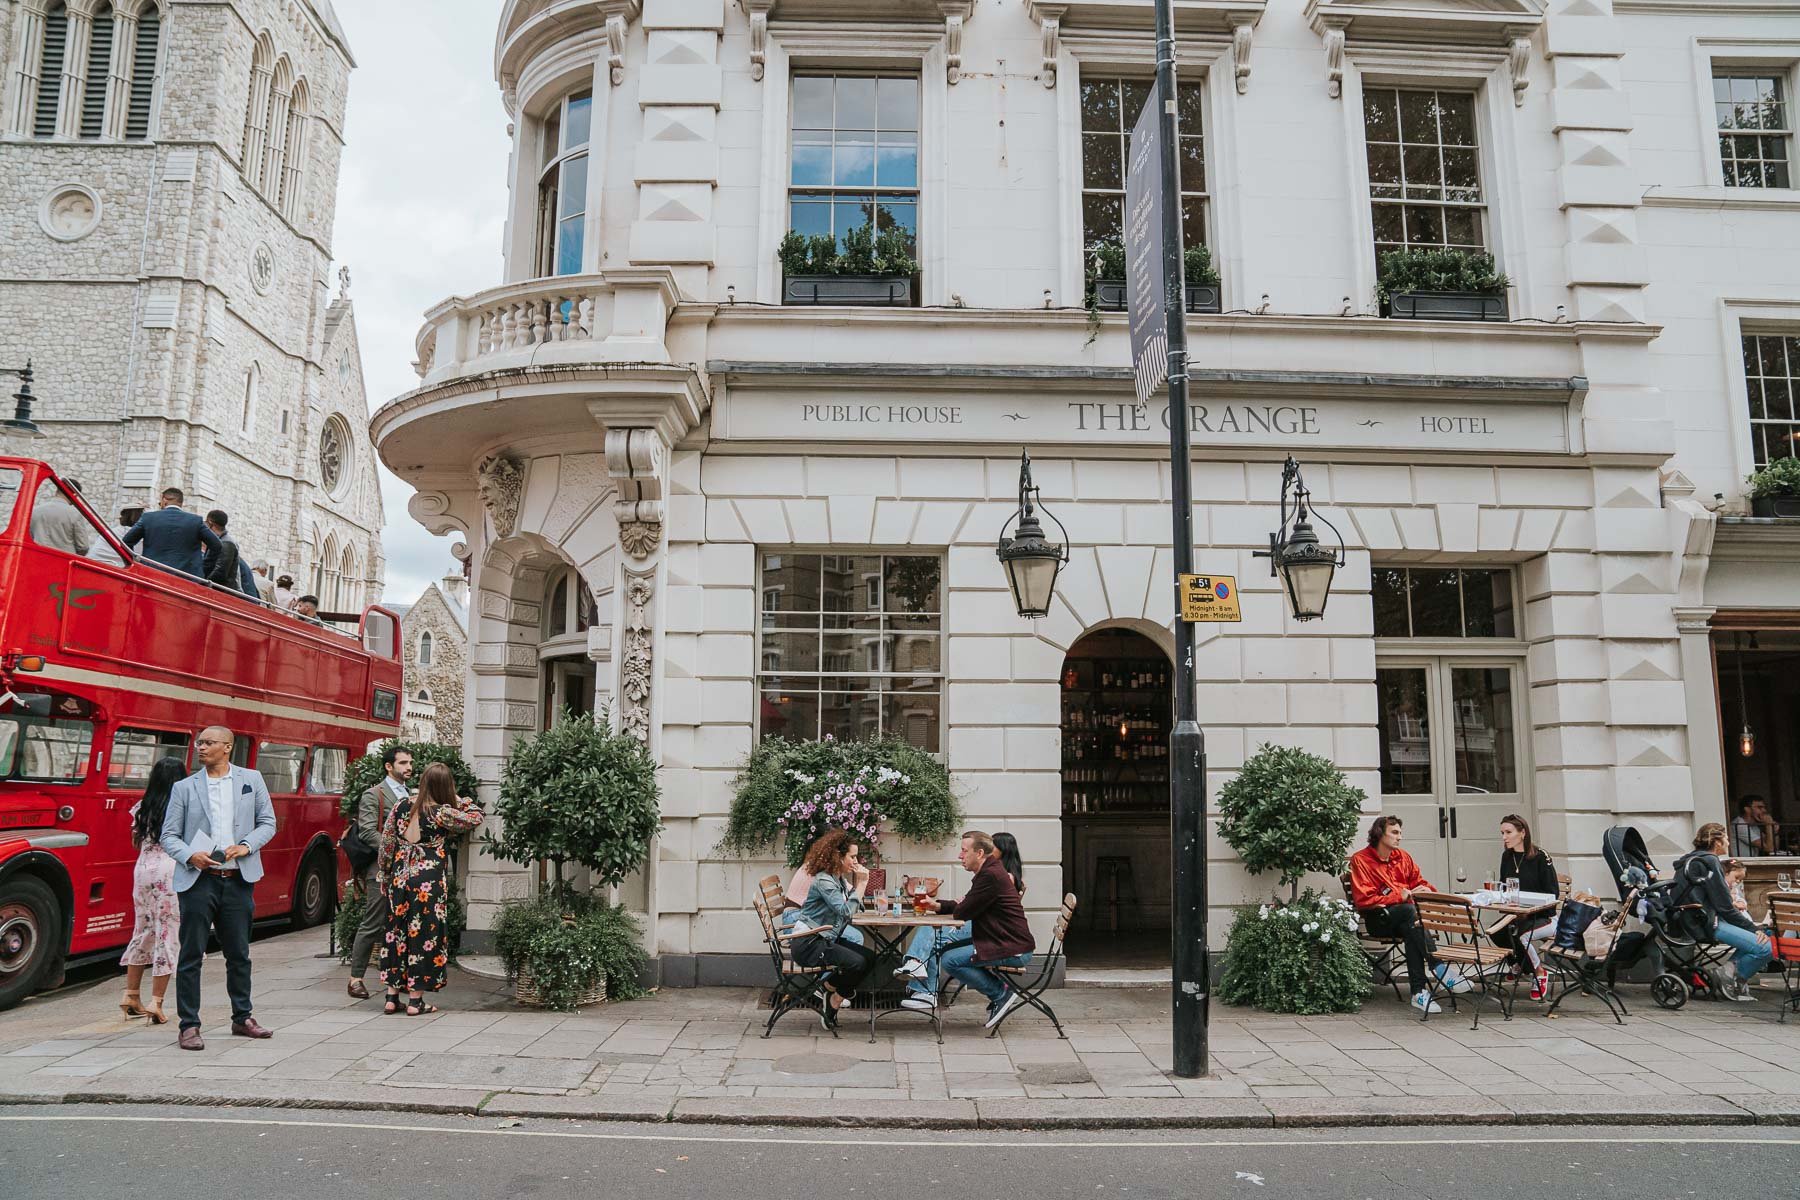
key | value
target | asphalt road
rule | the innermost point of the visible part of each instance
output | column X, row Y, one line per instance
column 96, row 1151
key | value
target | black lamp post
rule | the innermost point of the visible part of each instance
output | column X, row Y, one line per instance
column 20, row 423
column 1032, row 563
column 1295, row 554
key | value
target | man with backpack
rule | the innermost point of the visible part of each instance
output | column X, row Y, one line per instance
column 362, row 846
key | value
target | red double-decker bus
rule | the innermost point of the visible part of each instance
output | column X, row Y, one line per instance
column 109, row 662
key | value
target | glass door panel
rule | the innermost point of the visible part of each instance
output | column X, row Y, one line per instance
column 1483, row 735
column 1411, row 786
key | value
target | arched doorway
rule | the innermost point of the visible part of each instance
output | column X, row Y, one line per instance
column 1116, row 708
column 569, row 677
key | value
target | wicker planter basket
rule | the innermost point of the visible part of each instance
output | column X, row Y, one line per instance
column 526, row 992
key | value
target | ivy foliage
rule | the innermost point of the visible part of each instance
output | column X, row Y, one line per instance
column 367, row 771
column 1437, row 271
column 578, row 793
column 1302, row 957
column 918, row 806
column 567, row 943
column 1289, row 811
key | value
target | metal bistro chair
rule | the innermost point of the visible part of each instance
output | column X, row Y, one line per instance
column 1386, row 955
column 797, row 988
column 1461, row 944
column 1784, row 919
column 1588, row 971
column 1032, row 992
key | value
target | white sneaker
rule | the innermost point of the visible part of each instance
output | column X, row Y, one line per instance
column 1740, row 991
column 912, row 968
column 1012, row 1001
column 1424, row 1003
column 1453, row 983
column 920, row 1002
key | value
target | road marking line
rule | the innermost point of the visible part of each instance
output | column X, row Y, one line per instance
column 1287, row 1143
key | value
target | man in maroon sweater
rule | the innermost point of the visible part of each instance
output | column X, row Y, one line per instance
column 994, row 934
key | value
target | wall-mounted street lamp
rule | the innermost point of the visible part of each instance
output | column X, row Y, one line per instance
column 1305, row 566
column 1032, row 563
column 20, row 424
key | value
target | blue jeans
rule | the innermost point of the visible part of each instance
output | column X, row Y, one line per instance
column 1751, row 957
column 951, row 950
column 959, row 960
column 926, row 945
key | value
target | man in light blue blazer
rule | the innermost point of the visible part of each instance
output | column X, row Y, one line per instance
column 224, row 810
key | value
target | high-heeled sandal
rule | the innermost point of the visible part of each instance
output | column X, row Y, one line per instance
column 132, row 1005
column 155, row 1011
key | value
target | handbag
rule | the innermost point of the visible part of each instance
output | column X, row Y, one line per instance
column 357, row 851
column 1572, row 922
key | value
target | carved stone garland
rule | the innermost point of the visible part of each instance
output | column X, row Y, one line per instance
column 639, row 658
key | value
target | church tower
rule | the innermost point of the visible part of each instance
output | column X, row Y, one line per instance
column 169, row 172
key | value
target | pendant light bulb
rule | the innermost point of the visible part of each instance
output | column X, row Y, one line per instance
column 1747, row 742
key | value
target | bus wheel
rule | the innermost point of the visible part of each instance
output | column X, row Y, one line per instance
column 29, row 924
column 312, row 891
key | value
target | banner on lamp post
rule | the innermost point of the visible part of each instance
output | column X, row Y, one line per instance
column 1144, row 253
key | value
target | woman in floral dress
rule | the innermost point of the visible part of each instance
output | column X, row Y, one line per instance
column 415, row 954
column 156, row 929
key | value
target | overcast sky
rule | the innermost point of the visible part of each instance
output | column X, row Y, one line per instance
column 421, row 204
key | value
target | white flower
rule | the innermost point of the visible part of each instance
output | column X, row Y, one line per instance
column 1326, row 936
column 1262, row 912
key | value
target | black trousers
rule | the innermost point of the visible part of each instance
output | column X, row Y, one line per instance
column 224, row 906
column 1402, row 921
column 849, row 963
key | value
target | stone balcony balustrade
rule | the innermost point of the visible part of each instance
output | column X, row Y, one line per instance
column 616, row 316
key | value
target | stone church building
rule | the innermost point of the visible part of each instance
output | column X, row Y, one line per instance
column 434, row 655
column 168, row 186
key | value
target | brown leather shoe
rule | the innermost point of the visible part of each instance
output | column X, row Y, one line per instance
column 190, row 1039
column 249, row 1028
column 358, row 990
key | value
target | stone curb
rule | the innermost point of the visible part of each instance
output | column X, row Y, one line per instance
column 995, row 1113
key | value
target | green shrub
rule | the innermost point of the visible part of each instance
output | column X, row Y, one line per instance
column 1106, row 260
column 1437, row 271
column 865, row 252
column 1302, row 957
column 350, row 912
column 1779, row 478
column 567, row 942
column 1289, row 811
column 578, row 793
column 908, row 789
column 349, row 916
column 365, row 772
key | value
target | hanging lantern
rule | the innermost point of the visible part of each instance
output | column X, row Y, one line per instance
column 1032, row 563
column 1296, row 556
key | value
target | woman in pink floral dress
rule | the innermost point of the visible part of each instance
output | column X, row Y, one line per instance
column 415, row 954
column 156, row 934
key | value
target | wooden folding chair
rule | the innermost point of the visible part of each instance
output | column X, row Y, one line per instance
column 1013, row 979
column 1784, row 919
column 1461, row 944
column 1386, row 955
column 773, row 894
column 1579, row 969
column 797, row 988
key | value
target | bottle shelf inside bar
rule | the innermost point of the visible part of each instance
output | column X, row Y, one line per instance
column 1115, row 736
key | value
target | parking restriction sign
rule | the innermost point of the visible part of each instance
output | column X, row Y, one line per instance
column 1209, row 598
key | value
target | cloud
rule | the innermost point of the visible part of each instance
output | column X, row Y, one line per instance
column 421, row 207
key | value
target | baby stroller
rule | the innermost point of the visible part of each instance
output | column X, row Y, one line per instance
column 1684, row 963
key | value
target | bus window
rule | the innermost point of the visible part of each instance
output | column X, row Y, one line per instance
column 328, row 765
column 10, row 479
column 280, row 766
column 135, row 751
column 378, row 634
column 42, row 750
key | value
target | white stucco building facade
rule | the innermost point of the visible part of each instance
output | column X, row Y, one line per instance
column 782, row 516
column 169, row 175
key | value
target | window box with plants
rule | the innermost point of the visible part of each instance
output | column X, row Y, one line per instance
column 1441, row 285
column 1106, row 279
column 872, row 270
column 1775, row 490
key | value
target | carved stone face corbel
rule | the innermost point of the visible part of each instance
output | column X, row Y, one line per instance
column 500, row 481
column 619, row 15
column 955, row 13
column 1518, row 58
column 634, row 459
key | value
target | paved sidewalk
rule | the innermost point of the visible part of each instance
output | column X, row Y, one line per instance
column 698, row 1056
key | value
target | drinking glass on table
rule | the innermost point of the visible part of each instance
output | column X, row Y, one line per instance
column 1487, row 885
column 1512, row 889
column 1784, row 881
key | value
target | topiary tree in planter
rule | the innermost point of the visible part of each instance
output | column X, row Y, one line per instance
column 577, row 793
column 1293, row 812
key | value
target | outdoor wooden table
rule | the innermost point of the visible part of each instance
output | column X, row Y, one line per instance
column 890, row 931
column 1530, row 904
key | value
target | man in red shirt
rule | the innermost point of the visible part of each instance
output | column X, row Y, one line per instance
column 1383, row 878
